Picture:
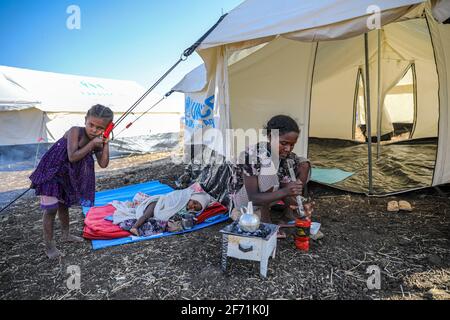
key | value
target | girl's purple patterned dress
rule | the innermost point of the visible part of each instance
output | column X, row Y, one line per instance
column 71, row 183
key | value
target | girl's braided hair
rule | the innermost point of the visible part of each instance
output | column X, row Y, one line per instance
column 100, row 111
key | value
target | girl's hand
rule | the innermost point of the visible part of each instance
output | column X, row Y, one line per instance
column 97, row 143
column 105, row 141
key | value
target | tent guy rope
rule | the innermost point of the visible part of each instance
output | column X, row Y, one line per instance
column 186, row 53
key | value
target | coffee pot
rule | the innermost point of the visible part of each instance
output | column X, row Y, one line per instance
column 249, row 221
column 187, row 221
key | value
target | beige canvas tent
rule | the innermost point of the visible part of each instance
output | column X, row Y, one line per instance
column 327, row 64
column 38, row 107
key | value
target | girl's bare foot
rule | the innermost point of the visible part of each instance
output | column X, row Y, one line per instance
column 52, row 252
column 71, row 238
column 134, row 231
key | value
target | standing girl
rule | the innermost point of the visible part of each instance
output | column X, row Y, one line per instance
column 65, row 175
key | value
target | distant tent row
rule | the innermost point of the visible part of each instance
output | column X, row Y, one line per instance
column 308, row 60
column 38, row 107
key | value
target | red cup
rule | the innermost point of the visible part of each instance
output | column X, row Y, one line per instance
column 302, row 233
column 302, row 243
column 303, row 227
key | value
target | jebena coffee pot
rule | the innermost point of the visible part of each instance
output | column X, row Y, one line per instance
column 249, row 221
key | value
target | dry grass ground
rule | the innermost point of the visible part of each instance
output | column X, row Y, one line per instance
column 412, row 250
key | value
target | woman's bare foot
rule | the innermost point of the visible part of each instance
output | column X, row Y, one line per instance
column 71, row 238
column 134, row 231
column 281, row 235
column 52, row 252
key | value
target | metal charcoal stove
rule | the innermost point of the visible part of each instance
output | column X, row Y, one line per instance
column 256, row 246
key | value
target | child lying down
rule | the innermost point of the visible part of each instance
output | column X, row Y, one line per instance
column 136, row 216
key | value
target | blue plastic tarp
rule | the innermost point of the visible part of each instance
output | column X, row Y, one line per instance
column 127, row 193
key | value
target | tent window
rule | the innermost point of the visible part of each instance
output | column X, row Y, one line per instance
column 359, row 109
column 400, row 104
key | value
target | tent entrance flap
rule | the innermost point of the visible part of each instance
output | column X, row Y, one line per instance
column 400, row 103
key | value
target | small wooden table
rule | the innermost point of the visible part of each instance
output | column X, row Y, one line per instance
column 249, row 247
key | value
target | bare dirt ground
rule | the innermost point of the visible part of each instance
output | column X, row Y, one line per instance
column 411, row 249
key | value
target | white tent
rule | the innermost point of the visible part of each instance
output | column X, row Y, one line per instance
column 305, row 59
column 38, row 106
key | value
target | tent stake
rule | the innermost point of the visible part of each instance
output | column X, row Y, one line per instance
column 368, row 115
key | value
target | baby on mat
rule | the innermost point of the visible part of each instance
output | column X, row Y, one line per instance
column 159, row 209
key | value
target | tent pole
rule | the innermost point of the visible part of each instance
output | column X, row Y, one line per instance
column 368, row 114
column 379, row 97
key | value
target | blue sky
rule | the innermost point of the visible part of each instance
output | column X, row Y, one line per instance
column 130, row 40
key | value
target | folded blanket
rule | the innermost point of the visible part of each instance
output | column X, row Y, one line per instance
column 213, row 209
column 96, row 227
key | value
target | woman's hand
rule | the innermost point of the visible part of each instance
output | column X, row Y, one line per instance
column 293, row 189
column 308, row 208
